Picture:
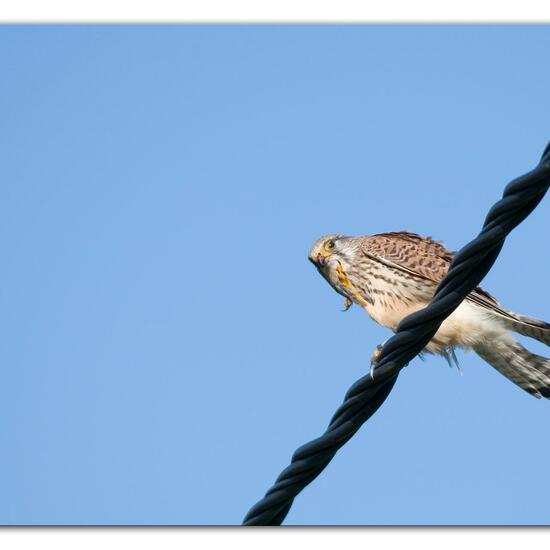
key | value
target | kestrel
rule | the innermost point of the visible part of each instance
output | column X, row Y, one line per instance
column 392, row 275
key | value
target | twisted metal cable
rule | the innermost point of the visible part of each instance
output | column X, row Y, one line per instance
column 469, row 266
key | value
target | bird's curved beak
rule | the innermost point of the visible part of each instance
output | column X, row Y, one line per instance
column 319, row 261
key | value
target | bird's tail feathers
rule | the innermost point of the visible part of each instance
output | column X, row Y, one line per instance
column 528, row 326
column 528, row 370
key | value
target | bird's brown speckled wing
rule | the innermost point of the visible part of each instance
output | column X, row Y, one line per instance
column 422, row 257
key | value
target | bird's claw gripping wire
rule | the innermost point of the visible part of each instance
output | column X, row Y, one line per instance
column 374, row 358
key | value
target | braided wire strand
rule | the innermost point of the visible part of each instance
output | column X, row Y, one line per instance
column 468, row 267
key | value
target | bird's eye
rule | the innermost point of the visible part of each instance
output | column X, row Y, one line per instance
column 329, row 245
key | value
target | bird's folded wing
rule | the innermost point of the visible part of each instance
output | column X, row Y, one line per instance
column 424, row 258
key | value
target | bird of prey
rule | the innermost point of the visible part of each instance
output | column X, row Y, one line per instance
column 392, row 275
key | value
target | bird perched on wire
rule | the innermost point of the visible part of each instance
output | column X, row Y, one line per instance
column 392, row 275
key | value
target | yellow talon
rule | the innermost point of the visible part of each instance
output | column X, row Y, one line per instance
column 342, row 276
column 376, row 355
column 347, row 304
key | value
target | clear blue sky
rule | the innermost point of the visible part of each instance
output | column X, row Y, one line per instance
column 165, row 343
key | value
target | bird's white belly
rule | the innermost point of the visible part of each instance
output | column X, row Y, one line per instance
column 395, row 299
column 389, row 314
column 466, row 326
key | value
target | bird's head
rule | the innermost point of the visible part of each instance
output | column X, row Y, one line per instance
column 333, row 256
